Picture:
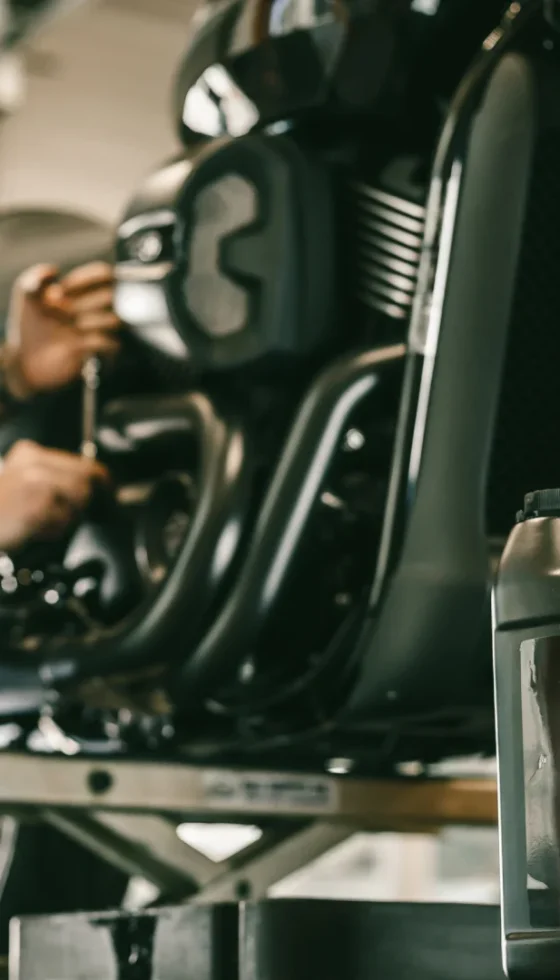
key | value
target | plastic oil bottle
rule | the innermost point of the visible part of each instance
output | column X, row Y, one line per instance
column 526, row 637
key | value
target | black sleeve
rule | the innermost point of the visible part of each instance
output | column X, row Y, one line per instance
column 8, row 403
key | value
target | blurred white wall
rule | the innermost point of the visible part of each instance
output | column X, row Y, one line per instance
column 96, row 112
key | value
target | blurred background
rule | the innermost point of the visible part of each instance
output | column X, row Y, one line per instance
column 84, row 101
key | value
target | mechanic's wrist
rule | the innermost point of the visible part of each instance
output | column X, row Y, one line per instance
column 13, row 386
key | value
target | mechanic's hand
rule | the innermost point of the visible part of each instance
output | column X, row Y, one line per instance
column 55, row 323
column 42, row 491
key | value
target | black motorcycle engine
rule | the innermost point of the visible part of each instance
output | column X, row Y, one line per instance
column 228, row 257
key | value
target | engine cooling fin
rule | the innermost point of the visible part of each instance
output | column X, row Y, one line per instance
column 388, row 232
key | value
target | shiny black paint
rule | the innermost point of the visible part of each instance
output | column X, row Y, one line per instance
column 312, row 442
column 442, row 573
column 380, row 58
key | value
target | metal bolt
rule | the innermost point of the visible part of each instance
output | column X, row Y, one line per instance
column 343, row 600
column 354, row 440
column 99, row 781
column 247, row 672
column 330, row 500
column 339, row 767
column 243, row 890
column 6, row 565
column 148, row 247
column 410, row 769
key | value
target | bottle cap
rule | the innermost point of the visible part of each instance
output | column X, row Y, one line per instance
column 540, row 503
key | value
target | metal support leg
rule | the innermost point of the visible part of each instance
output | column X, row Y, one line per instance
column 158, row 835
column 133, row 856
column 147, row 846
column 251, row 878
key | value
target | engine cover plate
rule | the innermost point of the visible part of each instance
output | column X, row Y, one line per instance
column 228, row 258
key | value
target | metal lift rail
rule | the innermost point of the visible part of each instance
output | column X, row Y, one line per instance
column 127, row 813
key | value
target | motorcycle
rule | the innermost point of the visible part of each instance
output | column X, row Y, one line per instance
column 341, row 301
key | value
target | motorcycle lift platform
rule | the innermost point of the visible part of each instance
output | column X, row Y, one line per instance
column 127, row 812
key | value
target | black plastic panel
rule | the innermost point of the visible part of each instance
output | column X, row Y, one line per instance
column 364, row 941
column 525, row 452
